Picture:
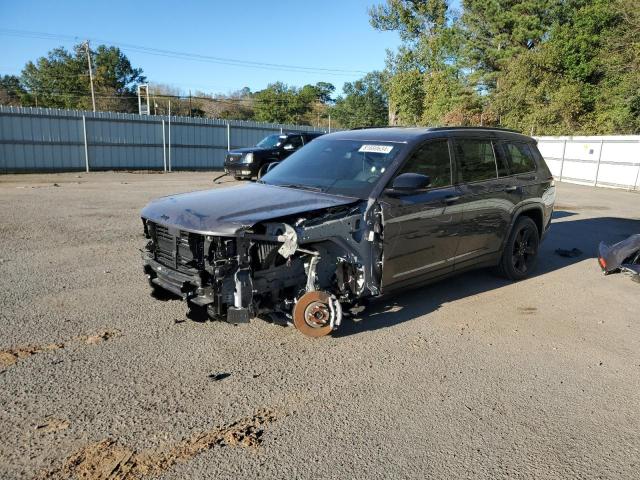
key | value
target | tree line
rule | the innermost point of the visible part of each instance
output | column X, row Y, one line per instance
column 538, row 66
column 61, row 79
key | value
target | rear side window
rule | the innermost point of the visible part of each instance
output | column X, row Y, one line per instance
column 520, row 158
column 476, row 160
column 431, row 159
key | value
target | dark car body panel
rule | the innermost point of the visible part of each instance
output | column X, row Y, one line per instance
column 421, row 234
column 477, row 223
column 224, row 211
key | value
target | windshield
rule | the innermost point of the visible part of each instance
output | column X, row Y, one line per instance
column 270, row 141
column 344, row 167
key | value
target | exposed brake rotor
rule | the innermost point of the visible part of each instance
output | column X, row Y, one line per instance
column 315, row 313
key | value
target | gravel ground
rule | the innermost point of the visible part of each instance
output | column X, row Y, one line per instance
column 471, row 378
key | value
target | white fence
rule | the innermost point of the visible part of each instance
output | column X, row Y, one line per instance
column 607, row 161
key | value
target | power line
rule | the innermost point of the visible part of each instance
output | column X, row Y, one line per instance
column 189, row 56
column 125, row 95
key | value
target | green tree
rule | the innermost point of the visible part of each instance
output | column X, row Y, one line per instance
column 61, row 79
column 574, row 82
column 496, row 31
column 428, row 56
column 449, row 101
column 280, row 103
column 364, row 103
column 11, row 90
column 617, row 107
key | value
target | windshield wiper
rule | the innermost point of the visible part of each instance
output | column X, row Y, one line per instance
column 301, row 187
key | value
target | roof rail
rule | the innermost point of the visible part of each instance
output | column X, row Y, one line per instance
column 452, row 127
column 474, row 128
column 365, row 128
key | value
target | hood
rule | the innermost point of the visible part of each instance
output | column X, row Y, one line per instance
column 239, row 151
column 223, row 211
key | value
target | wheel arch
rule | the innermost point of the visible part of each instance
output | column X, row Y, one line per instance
column 535, row 214
column 531, row 210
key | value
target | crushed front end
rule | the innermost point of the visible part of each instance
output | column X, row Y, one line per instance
column 300, row 270
column 218, row 273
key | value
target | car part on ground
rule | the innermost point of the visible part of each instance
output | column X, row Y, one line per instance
column 354, row 215
column 623, row 256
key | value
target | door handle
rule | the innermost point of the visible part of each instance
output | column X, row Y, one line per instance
column 450, row 199
column 511, row 188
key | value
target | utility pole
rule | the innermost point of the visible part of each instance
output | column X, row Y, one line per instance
column 189, row 102
column 169, row 135
column 93, row 96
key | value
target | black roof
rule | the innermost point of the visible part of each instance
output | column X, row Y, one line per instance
column 411, row 134
column 499, row 129
column 316, row 134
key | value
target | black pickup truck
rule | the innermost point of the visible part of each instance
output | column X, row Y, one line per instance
column 249, row 162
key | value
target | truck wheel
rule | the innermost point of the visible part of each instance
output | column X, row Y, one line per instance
column 521, row 250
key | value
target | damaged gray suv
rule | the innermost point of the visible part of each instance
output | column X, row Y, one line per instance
column 353, row 215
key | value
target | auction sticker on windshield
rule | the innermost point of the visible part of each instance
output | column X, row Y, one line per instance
column 376, row 148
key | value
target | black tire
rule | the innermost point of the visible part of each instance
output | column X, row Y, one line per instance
column 262, row 171
column 238, row 178
column 521, row 250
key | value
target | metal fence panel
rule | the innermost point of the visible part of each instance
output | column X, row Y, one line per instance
column 43, row 139
column 607, row 161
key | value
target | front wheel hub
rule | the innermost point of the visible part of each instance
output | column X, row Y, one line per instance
column 315, row 313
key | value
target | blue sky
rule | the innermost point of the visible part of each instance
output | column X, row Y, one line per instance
column 333, row 34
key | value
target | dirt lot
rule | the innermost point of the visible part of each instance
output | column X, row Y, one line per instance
column 472, row 378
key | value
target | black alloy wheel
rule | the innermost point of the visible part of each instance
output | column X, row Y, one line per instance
column 521, row 250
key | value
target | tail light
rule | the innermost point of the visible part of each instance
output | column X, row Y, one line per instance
column 602, row 262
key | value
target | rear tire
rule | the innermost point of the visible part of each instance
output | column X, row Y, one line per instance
column 520, row 253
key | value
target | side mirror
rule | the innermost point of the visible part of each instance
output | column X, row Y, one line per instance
column 410, row 182
column 288, row 147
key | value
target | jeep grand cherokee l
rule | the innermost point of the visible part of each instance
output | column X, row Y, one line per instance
column 251, row 162
column 354, row 215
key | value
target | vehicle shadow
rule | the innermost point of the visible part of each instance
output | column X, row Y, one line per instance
column 566, row 232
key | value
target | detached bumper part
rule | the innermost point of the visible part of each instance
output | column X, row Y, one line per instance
column 623, row 256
